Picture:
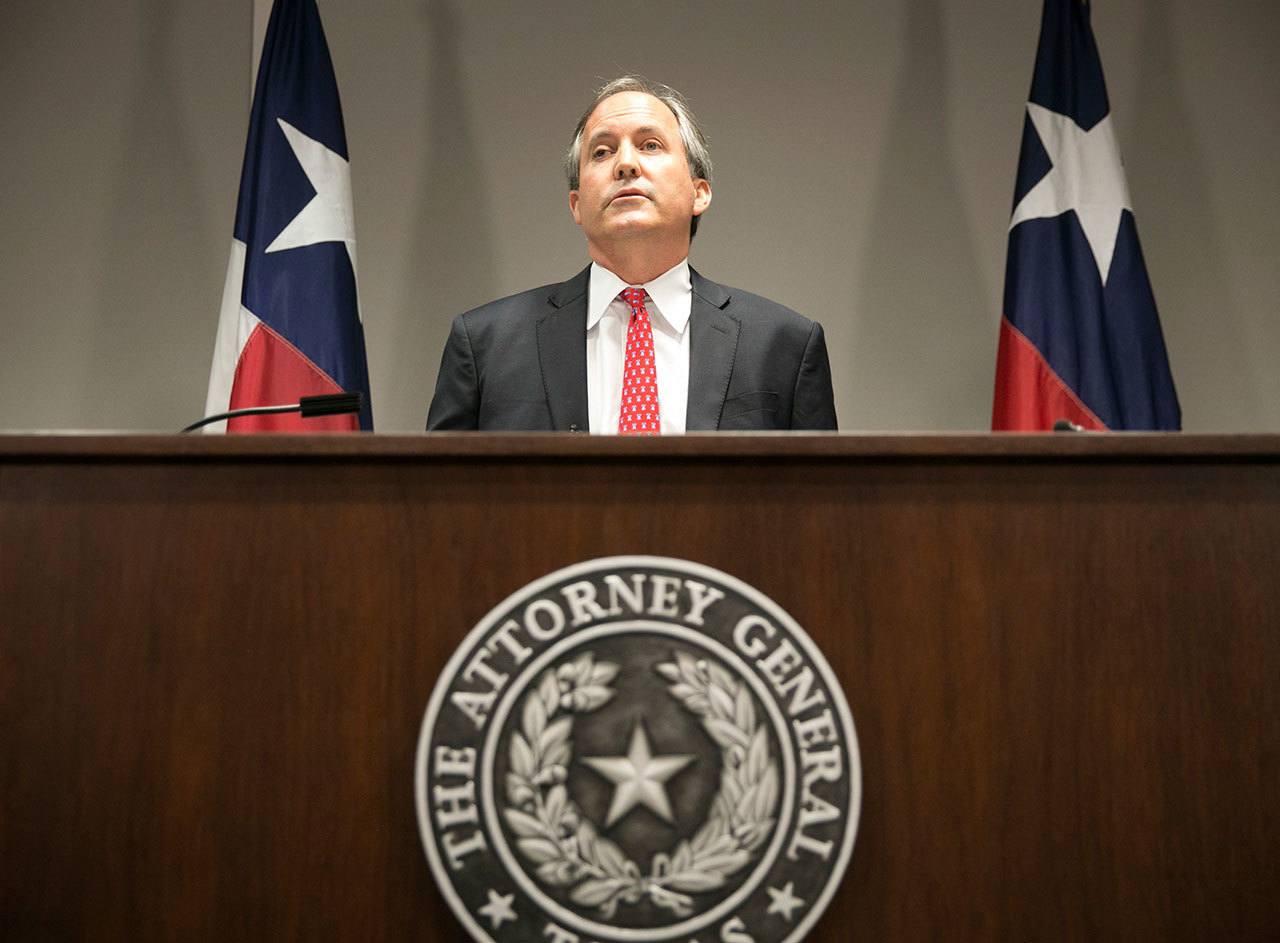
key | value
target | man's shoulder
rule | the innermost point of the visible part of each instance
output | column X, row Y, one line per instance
column 521, row 302
column 748, row 306
column 521, row 305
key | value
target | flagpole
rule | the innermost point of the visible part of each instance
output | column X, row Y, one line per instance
column 261, row 14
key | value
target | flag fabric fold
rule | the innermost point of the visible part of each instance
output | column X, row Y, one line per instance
column 290, row 320
column 1080, row 336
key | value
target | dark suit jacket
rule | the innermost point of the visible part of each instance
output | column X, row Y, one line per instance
column 521, row 364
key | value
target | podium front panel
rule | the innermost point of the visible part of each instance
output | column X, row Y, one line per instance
column 1061, row 656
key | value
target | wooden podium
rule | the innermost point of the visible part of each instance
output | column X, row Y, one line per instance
column 1062, row 654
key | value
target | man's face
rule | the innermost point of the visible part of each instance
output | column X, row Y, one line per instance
column 634, row 179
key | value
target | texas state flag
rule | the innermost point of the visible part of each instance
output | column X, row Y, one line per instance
column 1080, row 338
column 290, row 322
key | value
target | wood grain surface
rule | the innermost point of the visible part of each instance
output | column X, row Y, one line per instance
column 1061, row 654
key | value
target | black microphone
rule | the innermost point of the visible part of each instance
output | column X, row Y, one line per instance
column 329, row 404
column 1066, row 425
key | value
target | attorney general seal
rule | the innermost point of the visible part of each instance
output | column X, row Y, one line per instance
column 638, row 749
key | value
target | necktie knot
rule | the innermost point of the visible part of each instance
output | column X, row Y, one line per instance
column 634, row 297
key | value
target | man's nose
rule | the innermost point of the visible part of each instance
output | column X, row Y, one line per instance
column 625, row 164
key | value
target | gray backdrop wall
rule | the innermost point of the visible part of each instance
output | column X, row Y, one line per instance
column 865, row 158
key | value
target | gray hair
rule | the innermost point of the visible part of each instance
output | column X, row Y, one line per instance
column 696, row 151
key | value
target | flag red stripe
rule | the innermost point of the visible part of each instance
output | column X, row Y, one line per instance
column 272, row 372
column 1030, row 396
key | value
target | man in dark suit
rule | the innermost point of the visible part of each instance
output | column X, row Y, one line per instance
column 638, row 342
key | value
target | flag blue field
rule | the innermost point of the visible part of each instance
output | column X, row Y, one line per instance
column 290, row 322
column 1080, row 338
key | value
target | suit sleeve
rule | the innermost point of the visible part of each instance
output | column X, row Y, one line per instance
column 813, row 404
column 456, row 403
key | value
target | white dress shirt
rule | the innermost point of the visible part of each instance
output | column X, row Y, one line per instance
column 669, row 300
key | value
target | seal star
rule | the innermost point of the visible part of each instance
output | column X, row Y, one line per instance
column 328, row 217
column 1087, row 177
column 784, row 901
column 499, row 908
column 638, row 777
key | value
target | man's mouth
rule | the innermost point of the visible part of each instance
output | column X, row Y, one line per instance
column 629, row 192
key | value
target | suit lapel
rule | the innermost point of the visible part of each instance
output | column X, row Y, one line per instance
column 713, row 344
column 562, row 354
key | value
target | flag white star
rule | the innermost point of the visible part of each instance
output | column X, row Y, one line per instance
column 784, row 901
column 638, row 777
column 1087, row 177
column 329, row 216
column 499, row 908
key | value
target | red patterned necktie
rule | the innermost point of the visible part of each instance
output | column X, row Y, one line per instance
column 639, row 415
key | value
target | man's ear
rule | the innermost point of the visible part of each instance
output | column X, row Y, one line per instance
column 701, row 196
column 573, row 206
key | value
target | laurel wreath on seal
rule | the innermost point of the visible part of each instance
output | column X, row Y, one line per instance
column 568, row 850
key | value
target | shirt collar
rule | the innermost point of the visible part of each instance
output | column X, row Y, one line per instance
column 671, row 293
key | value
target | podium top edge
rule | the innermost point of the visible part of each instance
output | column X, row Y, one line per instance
column 543, row 447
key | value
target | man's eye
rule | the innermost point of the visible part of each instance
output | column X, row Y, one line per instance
column 600, row 152
column 652, row 145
